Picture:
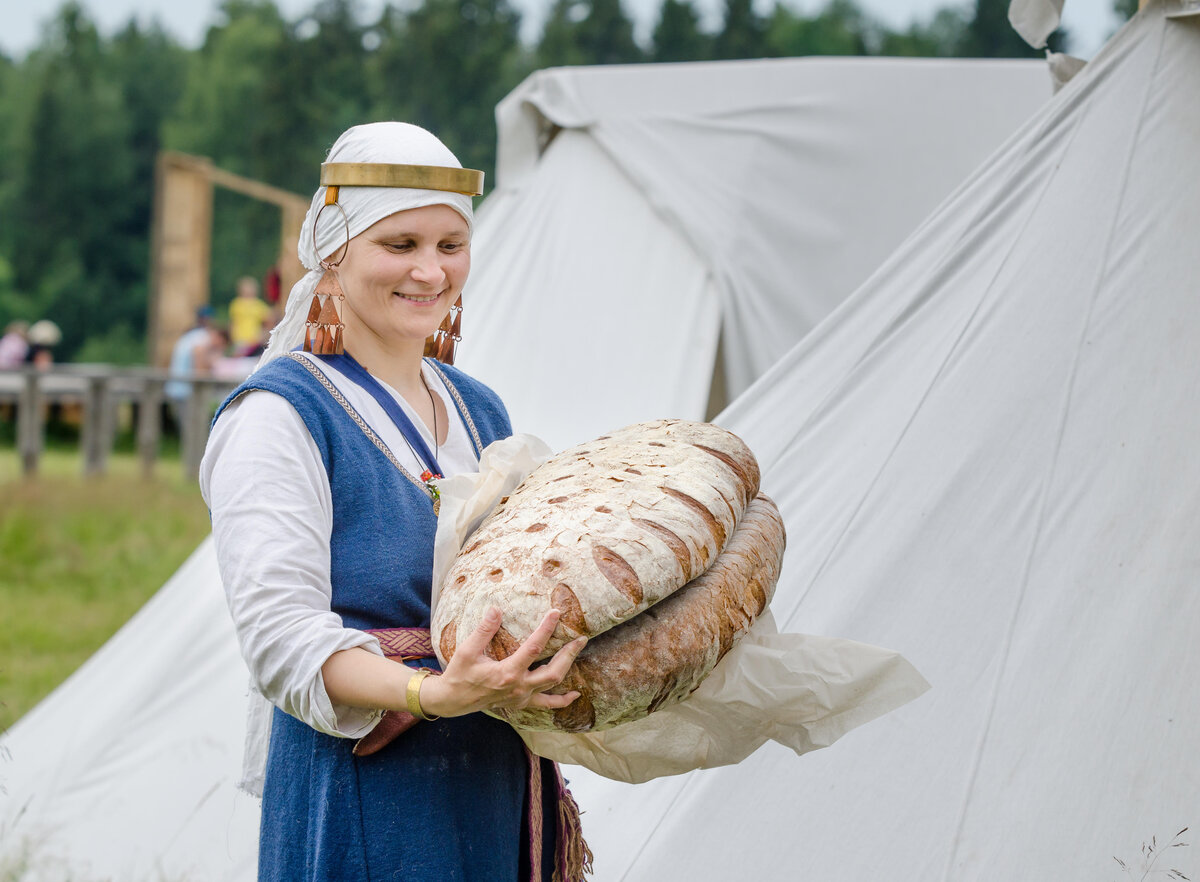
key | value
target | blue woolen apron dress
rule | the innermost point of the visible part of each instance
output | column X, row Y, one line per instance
column 446, row 801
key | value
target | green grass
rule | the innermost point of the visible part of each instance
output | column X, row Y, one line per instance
column 77, row 558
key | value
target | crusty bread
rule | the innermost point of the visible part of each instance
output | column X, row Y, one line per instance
column 661, row 655
column 601, row 532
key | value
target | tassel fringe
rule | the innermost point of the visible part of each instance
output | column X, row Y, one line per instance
column 573, row 857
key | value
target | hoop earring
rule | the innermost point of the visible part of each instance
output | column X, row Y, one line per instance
column 324, row 332
column 443, row 343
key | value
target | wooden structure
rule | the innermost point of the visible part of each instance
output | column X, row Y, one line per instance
column 181, row 242
column 102, row 390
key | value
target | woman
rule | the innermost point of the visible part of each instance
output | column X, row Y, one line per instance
column 318, row 474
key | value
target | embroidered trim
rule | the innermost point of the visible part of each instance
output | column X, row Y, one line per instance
column 461, row 405
column 404, row 642
column 320, row 377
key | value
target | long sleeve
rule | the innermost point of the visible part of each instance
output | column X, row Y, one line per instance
column 265, row 484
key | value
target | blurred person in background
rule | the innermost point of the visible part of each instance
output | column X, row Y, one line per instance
column 44, row 335
column 14, row 345
column 248, row 317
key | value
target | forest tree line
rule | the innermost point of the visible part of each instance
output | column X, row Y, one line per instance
column 83, row 115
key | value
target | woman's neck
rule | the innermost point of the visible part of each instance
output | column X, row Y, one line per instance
column 397, row 365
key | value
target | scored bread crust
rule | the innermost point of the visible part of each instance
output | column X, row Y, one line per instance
column 660, row 656
column 600, row 532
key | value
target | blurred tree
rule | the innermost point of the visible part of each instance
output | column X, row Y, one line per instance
column 444, row 66
column 12, row 91
column 588, row 32
column 942, row 36
column 606, row 34
column 148, row 68
column 743, row 32
column 559, row 44
column 677, row 36
column 238, row 109
column 989, row 35
column 318, row 86
column 73, row 218
column 840, row 28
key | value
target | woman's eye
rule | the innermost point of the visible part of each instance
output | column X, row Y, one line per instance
column 399, row 246
column 452, row 246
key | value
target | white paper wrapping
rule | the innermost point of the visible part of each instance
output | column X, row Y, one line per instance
column 803, row 691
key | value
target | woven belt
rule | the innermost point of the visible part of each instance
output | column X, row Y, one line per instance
column 400, row 645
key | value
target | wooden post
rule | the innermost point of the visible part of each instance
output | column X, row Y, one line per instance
column 181, row 249
column 149, row 426
column 30, row 429
column 97, row 425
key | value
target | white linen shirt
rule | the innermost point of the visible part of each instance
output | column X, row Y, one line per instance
column 272, row 513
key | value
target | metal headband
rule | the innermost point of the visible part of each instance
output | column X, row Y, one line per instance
column 467, row 181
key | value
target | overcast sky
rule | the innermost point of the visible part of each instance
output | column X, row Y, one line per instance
column 1089, row 21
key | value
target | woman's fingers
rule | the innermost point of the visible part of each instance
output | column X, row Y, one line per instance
column 476, row 643
column 553, row 671
column 550, row 701
column 479, row 682
column 527, row 653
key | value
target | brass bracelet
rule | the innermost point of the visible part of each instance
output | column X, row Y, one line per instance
column 412, row 694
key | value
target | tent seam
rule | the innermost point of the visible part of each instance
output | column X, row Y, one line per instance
column 1052, row 469
column 951, row 350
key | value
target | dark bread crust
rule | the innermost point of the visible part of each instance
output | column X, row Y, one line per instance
column 661, row 655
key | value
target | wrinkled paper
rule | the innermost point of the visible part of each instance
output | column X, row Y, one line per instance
column 802, row 691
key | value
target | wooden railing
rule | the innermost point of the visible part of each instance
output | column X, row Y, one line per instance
column 102, row 390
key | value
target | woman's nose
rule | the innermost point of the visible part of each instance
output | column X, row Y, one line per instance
column 428, row 267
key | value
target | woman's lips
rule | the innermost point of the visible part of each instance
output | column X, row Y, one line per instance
column 417, row 298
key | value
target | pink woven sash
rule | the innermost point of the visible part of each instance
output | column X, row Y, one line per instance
column 404, row 642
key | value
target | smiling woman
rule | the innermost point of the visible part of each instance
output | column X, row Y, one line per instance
column 400, row 278
column 319, row 476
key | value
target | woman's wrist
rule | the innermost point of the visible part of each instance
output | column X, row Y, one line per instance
column 434, row 698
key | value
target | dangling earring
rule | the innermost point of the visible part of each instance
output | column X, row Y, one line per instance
column 323, row 330
column 444, row 341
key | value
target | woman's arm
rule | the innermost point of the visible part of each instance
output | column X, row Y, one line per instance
column 471, row 682
column 272, row 514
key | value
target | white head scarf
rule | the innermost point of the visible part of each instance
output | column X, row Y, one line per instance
column 390, row 142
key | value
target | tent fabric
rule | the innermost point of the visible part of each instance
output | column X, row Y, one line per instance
column 645, row 214
column 601, row 292
column 986, row 460
column 128, row 770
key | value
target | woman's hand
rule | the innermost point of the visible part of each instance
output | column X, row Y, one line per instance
column 473, row 682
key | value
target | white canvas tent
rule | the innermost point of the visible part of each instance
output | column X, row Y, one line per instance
column 986, row 459
column 646, row 212
column 128, row 771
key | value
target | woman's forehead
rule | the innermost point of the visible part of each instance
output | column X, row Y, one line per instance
column 429, row 220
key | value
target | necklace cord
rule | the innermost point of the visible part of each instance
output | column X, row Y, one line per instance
column 433, row 405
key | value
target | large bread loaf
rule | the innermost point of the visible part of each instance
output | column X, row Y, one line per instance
column 661, row 655
column 601, row 532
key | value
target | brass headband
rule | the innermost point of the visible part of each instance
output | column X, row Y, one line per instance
column 467, row 181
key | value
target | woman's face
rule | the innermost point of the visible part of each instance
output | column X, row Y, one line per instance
column 402, row 274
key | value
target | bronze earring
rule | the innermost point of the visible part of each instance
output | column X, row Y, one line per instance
column 323, row 330
column 444, row 341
